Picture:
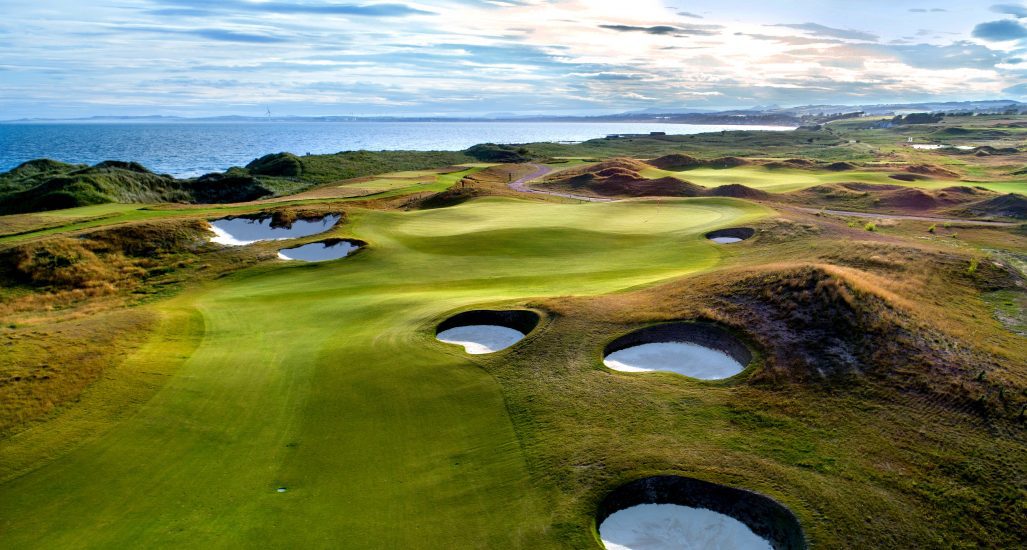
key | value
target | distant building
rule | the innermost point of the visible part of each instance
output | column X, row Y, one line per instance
column 657, row 133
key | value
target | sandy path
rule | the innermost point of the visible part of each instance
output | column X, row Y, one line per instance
column 521, row 185
column 953, row 221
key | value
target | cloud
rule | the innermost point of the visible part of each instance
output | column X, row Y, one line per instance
column 480, row 56
column 365, row 10
column 1000, row 31
column 221, row 35
column 232, row 36
column 1019, row 89
column 792, row 40
column 614, row 76
column 822, row 30
column 664, row 30
column 957, row 55
column 928, row 10
column 1017, row 10
column 689, row 14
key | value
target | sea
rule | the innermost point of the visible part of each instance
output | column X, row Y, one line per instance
column 187, row 149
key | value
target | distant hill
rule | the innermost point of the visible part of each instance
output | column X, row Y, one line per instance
column 43, row 184
column 767, row 114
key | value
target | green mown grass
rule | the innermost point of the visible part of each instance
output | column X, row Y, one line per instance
column 783, row 180
column 324, row 379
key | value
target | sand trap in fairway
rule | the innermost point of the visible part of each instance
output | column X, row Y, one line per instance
column 669, row 511
column 731, row 235
column 675, row 527
column 319, row 252
column 680, row 357
column 243, row 231
column 481, row 339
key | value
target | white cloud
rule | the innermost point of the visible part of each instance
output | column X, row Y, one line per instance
column 422, row 57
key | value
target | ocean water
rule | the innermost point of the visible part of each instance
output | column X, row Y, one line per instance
column 187, row 149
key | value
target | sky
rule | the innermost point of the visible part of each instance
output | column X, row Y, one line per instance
column 77, row 58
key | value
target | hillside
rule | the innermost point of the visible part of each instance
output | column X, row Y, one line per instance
column 42, row 185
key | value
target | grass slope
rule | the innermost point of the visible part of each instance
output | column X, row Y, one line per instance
column 325, row 379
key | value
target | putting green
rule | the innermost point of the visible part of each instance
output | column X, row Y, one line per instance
column 325, row 379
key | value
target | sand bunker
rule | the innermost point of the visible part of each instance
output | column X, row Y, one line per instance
column 321, row 251
column 487, row 331
column 480, row 339
column 243, row 231
column 672, row 512
column 672, row 527
column 696, row 350
column 731, row 235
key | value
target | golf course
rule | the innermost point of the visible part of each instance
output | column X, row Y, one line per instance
column 168, row 385
column 324, row 379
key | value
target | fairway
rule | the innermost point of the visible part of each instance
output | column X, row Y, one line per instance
column 325, row 380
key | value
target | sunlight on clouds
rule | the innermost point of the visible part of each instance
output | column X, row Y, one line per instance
column 423, row 57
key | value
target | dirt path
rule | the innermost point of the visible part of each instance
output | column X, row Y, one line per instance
column 954, row 221
column 521, row 185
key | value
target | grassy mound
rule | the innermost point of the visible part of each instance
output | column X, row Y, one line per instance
column 738, row 191
column 43, row 185
column 46, row 185
column 796, row 163
column 103, row 259
column 282, row 165
column 816, row 324
column 840, row 166
column 232, row 186
column 69, row 186
column 727, row 162
column 931, row 170
column 1011, row 205
column 620, row 177
column 908, row 177
column 864, row 196
column 676, row 162
column 491, row 152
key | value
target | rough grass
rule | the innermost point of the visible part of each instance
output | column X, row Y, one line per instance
column 43, row 367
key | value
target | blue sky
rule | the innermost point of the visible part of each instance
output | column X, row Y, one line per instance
column 65, row 58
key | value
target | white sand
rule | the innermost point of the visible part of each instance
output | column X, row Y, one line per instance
column 480, row 339
column 726, row 240
column 674, row 527
column 933, row 147
column 243, row 231
column 680, row 357
column 318, row 252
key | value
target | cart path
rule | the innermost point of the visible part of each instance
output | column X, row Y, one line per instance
column 541, row 170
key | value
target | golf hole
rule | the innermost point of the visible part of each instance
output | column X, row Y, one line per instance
column 731, row 235
column 321, row 251
column 248, row 230
column 669, row 512
column 487, row 331
column 696, row 350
